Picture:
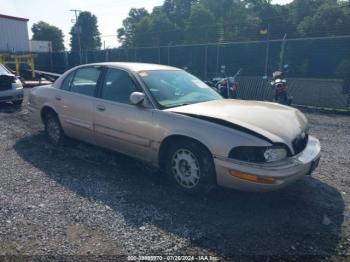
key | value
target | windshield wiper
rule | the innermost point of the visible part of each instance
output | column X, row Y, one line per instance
column 177, row 105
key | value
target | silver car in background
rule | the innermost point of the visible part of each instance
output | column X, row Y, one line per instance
column 171, row 119
column 11, row 89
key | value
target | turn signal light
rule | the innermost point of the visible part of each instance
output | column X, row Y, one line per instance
column 253, row 178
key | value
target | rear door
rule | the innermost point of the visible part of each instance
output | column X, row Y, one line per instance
column 120, row 125
column 75, row 102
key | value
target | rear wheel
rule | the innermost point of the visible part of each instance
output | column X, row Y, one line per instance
column 190, row 167
column 282, row 99
column 53, row 129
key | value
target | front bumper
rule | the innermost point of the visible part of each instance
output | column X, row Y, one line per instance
column 13, row 94
column 285, row 172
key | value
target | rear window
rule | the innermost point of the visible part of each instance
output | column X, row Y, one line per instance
column 85, row 81
column 67, row 82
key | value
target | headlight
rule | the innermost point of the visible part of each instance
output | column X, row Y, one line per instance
column 275, row 154
column 258, row 154
column 17, row 84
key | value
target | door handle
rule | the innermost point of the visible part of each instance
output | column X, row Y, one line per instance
column 100, row 108
column 58, row 98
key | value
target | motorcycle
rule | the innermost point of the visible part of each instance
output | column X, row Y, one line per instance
column 279, row 84
column 227, row 87
column 212, row 83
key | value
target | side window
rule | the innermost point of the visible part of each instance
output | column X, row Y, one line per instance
column 118, row 86
column 67, row 82
column 85, row 81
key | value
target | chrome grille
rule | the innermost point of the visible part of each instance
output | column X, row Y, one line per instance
column 6, row 82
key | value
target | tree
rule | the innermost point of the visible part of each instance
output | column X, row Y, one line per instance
column 328, row 19
column 276, row 17
column 178, row 11
column 143, row 29
column 126, row 34
column 299, row 9
column 85, row 27
column 201, row 27
column 162, row 28
column 46, row 32
column 235, row 20
column 181, row 21
column 142, row 35
column 242, row 23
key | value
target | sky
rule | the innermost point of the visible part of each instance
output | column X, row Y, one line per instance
column 110, row 13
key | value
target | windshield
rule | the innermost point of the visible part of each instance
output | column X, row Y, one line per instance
column 172, row 88
column 4, row 71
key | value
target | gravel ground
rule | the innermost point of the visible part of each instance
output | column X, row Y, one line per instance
column 81, row 200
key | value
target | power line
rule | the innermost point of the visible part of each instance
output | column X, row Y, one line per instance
column 77, row 30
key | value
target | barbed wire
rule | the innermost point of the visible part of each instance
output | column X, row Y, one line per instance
column 234, row 42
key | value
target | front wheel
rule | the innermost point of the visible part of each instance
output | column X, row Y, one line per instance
column 282, row 99
column 190, row 167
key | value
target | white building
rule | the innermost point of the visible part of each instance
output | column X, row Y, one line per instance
column 14, row 34
column 39, row 46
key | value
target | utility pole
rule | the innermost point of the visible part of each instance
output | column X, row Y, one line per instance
column 77, row 31
column 169, row 53
column 283, row 49
column 267, row 51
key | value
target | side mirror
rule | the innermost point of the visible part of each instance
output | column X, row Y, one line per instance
column 137, row 98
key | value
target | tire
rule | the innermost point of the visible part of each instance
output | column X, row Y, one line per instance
column 282, row 99
column 190, row 167
column 17, row 102
column 53, row 129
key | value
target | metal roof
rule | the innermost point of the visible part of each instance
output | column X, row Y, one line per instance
column 14, row 18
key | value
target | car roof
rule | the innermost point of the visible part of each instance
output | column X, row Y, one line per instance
column 135, row 67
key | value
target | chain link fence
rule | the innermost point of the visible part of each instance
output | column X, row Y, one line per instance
column 317, row 66
column 310, row 92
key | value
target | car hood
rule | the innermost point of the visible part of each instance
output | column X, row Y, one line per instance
column 275, row 122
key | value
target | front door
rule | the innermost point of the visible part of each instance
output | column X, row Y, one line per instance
column 119, row 125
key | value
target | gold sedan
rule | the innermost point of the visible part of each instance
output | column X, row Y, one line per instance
column 171, row 119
